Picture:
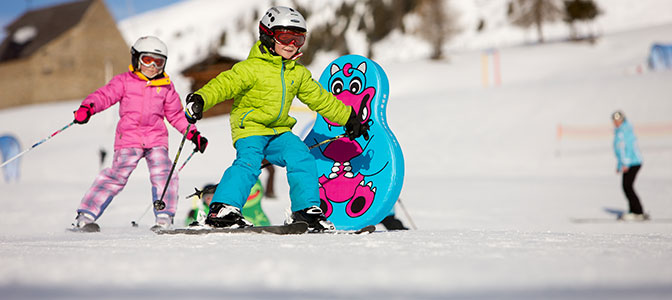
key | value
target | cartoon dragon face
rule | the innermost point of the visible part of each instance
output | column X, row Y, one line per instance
column 348, row 85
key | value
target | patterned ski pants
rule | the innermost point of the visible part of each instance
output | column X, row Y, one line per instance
column 112, row 180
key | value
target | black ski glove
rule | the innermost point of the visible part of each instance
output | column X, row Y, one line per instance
column 194, row 110
column 199, row 141
column 354, row 127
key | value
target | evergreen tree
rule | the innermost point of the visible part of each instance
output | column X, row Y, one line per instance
column 437, row 24
column 579, row 10
column 526, row 13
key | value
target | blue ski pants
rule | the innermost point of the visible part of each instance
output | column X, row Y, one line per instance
column 285, row 150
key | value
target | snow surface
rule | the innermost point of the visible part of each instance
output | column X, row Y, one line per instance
column 488, row 184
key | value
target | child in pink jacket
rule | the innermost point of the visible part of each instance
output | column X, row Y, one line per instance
column 145, row 96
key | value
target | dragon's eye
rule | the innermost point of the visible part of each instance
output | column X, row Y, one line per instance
column 355, row 85
column 337, row 86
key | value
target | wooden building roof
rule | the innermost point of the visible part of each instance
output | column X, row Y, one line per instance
column 36, row 28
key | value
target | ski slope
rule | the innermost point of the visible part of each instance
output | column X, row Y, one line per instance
column 489, row 185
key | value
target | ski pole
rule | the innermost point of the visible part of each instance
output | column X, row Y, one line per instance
column 135, row 223
column 313, row 146
column 186, row 161
column 37, row 144
column 159, row 204
column 401, row 204
column 326, row 141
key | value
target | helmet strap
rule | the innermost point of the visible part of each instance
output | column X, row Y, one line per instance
column 297, row 54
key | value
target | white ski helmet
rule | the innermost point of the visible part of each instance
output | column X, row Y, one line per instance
column 618, row 116
column 279, row 17
column 147, row 44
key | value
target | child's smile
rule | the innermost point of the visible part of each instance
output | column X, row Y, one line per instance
column 286, row 51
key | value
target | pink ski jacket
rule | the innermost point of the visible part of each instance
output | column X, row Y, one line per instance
column 143, row 104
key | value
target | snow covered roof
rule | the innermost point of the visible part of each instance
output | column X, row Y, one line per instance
column 36, row 28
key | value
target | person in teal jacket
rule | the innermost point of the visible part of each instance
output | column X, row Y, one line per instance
column 629, row 161
column 263, row 87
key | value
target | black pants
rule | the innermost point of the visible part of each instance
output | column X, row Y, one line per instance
column 628, row 181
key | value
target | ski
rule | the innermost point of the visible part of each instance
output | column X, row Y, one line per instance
column 91, row 227
column 615, row 220
column 366, row 229
column 294, row 228
column 620, row 216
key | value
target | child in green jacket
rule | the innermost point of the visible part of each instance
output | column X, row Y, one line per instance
column 263, row 87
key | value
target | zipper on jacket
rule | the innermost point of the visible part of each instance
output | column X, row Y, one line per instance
column 142, row 113
column 243, row 119
column 282, row 79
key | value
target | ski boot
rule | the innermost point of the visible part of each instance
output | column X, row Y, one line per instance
column 226, row 216
column 313, row 215
column 392, row 223
column 634, row 217
column 163, row 221
column 85, row 223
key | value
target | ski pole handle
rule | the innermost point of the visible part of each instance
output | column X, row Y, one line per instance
column 37, row 144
